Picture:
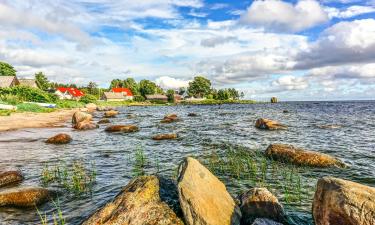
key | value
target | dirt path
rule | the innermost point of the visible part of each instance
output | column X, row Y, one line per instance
column 35, row 120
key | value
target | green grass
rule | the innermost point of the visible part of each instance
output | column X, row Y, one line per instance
column 69, row 104
column 5, row 112
column 58, row 218
column 217, row 102
column 29, row 107
column 75, row 178
column 140, row 162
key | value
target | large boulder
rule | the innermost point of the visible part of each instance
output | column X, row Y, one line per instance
column 59, row 139
column 170, row 118
column 268, row 124
column 122, row 128
column 81, row 117
column 10, row 176
column 85, row 125
column 260, row 203
column 203, row 197
column 111, row 114
column 164, row 137
column 264, row 221
column 274, row 100
column 342, row 202
column 90, row 107
column 299, row 156
column 27, row 196
column 137, row 204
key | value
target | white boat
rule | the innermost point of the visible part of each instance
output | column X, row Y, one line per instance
column 46, row 105
column 8, row 107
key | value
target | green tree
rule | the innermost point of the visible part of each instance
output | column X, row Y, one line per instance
column 242, row 95
column 181, row 91
column 132, row 85
column 116, row 83
column 147, row 87
column 7, row 69
column 199, row 87
column 42, row 81
column 87, row 98
column 170, row 95
column 223, row 94
column 92, row 88
column 233, row 93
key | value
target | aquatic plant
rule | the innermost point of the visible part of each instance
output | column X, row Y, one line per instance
column 75, row 178
column 58, row 218
column 140, row 162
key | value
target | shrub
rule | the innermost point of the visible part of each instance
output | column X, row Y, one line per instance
column 10, row 99
column 88, row 99
column 69, row 104
column 139, row 98
column 28, row 94
column 28, row 107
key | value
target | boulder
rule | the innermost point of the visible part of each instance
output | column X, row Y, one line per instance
column 170, row 118
column 274, row 100
column 10, row 176
column 137, row 204
column 103, row 108
column 192, row 114
column 285, row 111
column 27, row 196
column 268, row 124
column 80, row 117
column 260, row 203
column 85, row 125
column 329, row 126
column 299, row 156
column 59, row 139
column 164, row 137
column 339, row 201
column 103, row 121
column 203, row 197
column 122, row 128
column 264, row 221
column 90, row 107
column 110, row 114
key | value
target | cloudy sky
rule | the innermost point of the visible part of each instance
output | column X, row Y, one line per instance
column 296, row 50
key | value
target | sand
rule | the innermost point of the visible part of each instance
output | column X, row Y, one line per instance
column 35, row 120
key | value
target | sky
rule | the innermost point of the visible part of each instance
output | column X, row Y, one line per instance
column 295, row 50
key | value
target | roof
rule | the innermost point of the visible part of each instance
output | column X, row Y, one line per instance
column 28, row 82
column 6, row 81
column 112, row 95
column 156, row 97
column 72, row 91
column 127, row 91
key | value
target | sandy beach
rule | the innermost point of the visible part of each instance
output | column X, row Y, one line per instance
column 35, row 120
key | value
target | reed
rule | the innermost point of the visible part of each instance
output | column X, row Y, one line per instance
column 140, row 162
column 57, row 217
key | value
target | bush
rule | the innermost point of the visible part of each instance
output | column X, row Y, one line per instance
column 10, row 99
column 88, row 99
column 28, row 94
column 139, row 98
column 27, row 107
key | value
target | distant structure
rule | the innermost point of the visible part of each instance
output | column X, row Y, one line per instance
column 28, row 83
column 8, row 81
column 177, row 98
column 126, row 93
column 274, row 100
column 157, row 97
column 112, row 97
column 69, row 93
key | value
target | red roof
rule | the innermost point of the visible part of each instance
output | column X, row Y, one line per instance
column 126, row 91
column 72, row 91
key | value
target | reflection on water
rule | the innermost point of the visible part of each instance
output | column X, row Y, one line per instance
column 351, row 139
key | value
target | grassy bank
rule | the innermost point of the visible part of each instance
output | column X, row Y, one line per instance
column 218, row 102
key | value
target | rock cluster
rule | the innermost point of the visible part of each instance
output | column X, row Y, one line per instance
column 83, row 121
column 59, row 139
column 268, row 124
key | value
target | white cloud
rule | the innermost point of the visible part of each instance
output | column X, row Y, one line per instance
column 349, row 12
column 171, row 83
column 290, row 82
column 277, row 15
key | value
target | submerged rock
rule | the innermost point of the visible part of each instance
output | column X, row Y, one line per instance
column 164, row 137
column 203, row 197
column 138, row 203
column 299, row 156
column 285, row 111
column 10, row 176
column 329, row 126
column 131, row 116
column 268, row 124
column 59, row 139
column 81, row 117
column 260, row 203
column 264, row 221
column 103, row 121
column 170, row 118
column 122, row 128
column 192, row 114
column 85, row 125
column 27, row 196
column 339, row 201
column 111, row 114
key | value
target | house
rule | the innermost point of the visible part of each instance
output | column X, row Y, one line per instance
column 8, row 81
column 28, row 83
column 69, row 93
column 112, row 97
column 126, row 92
column 157, row 97
column 177, row 98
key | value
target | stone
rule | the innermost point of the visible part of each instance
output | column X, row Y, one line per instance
column 90, row 107
column 138, row 203
column 80, row 117
column 342, row 202
column 26, row 196
column 85, row 125
column 264, row 221
column 299, row 156
column 104, row 121
column 122, row 128
column 170, row 118
column 103, row 108
column 285, row 111
column 260, row 203
column 329, row 126
column 164, row 137
column 110, row 114
column 192, row 114
column 59, row 139
column 268, row 124
column 203, row 197
column 10, row 176
column 274, row 100
column 131, row 116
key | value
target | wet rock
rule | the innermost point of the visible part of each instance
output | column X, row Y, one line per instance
column 285, row 111
column 110, row 114
column 260, row 203
column 80, row 117
column 264, row 221
column 299, row 156
column 103, row 108
column 10, row 176
column 329, row 126
column 27, row 196
column 339, row 201
column 131, row 116
column 192, row 114
column 203, row 197
column 165, row 136
column 104, row 121
column 274, row 100
column 138, row 203
column 268, row 124
column 90, row 107
column 59, row 139
column 170, row 118
column 85, row 125
column 122, row 128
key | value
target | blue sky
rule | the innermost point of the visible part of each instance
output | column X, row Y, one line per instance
column 296, row 50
